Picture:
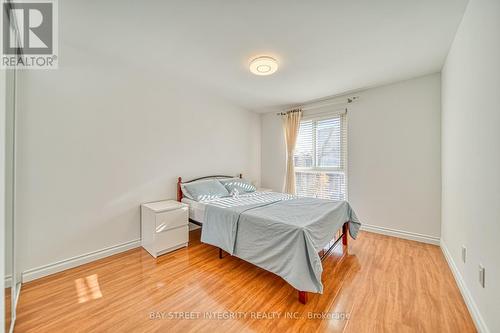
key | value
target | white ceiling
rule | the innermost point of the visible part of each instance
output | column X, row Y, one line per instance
column 324, row 47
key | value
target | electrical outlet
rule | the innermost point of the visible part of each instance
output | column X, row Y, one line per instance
column 482, row 277
column 464, row 253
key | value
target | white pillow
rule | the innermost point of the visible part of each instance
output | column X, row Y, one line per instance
column 208, row 189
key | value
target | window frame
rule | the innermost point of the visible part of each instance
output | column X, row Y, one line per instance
column 343, row 168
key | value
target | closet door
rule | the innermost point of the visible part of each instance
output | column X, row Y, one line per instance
column 11, row 276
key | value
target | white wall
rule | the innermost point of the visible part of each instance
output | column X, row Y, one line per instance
column 471, row 156
column 394, row 156
column 97, row 138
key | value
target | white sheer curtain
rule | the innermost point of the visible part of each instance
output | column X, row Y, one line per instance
column 291, row 125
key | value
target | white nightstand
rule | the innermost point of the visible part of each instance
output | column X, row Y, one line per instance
column 263, row 189
column 164, row 226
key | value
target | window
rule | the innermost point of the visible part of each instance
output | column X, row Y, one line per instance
column 320, row 158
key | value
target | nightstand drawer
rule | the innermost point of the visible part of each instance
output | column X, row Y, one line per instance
column 167, row 240
column 171, row 219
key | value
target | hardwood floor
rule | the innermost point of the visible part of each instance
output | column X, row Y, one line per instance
column 384, row 284
column 7, row 305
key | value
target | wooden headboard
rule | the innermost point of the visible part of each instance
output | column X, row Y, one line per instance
column 180, row 182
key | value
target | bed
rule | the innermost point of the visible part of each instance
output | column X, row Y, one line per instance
column 281, row 233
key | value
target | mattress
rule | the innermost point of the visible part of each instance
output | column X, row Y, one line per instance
column 196, row 209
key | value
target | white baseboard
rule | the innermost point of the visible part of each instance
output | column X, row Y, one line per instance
column 7, row 281
column 469, row 301
column 38, row 272
column 401, row 234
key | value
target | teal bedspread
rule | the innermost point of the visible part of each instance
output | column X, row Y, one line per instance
column 278, row 232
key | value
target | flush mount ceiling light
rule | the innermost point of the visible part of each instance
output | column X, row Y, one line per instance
column 263, row 65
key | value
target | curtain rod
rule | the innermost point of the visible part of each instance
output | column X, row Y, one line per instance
column 313, row 106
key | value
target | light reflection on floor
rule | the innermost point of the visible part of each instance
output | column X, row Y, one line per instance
column 88, row 288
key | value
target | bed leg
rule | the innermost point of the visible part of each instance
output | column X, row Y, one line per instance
column 303, row 297
column 345, row 233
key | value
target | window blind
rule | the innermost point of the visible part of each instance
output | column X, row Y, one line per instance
column 320, row 157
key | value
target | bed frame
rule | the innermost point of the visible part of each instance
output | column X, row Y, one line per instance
column 341, row 234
